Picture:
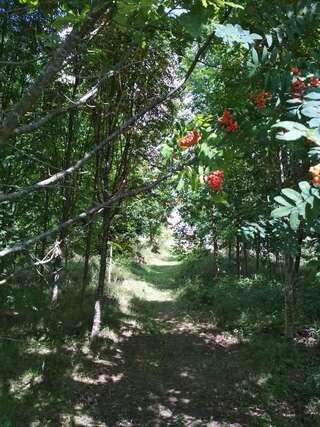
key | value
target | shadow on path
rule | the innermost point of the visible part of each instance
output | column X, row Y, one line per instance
column 163, row 367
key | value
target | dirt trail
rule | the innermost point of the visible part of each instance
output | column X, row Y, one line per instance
column 162, row 367
column 157, row 365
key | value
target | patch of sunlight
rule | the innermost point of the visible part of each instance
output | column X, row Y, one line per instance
column 110, row 334
column 313, row 407
column 263, row 379
column 87, row 421
column 187, row 374
column 144, row 290
column 98, row 379
column 21, row 386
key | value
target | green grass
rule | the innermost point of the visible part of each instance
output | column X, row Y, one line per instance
column 262, row 368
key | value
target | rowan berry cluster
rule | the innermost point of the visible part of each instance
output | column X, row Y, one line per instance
column 314, row 81
column 260, row 99
column 192, row 138
column 215, row 180
column 315, row 173
column 228, row 121
column 295, row 70
column 298, row 85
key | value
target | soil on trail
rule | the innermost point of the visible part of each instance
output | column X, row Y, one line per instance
column 162, row 368
column 156, row 365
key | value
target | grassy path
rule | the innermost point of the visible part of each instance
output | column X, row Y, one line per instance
column 156, row 365
column 164, row 367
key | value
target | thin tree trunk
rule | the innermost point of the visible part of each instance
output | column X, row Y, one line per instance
column 44, row 242
column 215, row 258
column 298, row 256
column 245, row 259
column 110, row 264
column 289, row 296
column 258, row 254
column 238, row 257
column 67, row 203
column 89, row 231
column 96, row 324
column 230, row 252
column 85, row 273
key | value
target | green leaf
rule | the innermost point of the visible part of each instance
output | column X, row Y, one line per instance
column 302, row 209
column 194, row 20
column 291, row 194
column 313, row 95
column 304, row 186
column 232, row 4
column 269, row 39
column 292, row 135
column 265, row 54
column 290, row 126
column 294, row 220
column 281, row 212
column 255, row 56
column 166, row 151
column 180, row 183
column 282, row 201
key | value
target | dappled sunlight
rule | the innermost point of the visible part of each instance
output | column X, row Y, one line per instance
column 161, row 365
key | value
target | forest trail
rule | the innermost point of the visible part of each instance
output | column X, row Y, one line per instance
column 163, row 367
column 156, row 364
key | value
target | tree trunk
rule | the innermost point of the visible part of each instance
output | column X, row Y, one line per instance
column 289, row 296
column 230, row 252
column 238, row 257
column 44, row 241
column 245, row 259
column 67, row 194
column 215, row 258
column 110, row 265
column 258, row 255
column 298, row 256
column 85, row 273
column 96, row 324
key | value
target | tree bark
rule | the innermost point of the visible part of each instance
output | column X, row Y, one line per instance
column 238, row 257
column 245, row 259
column 96, row 324
column 258, row 255
column 289, row 297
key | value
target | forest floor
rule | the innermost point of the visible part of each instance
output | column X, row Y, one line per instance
column 158, row 365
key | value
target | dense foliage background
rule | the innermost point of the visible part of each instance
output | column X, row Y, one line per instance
column 118, row 118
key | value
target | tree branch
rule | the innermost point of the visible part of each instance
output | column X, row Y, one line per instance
column 94, row 210
column 30, row 127
column 158, row 101
column 50, row 71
